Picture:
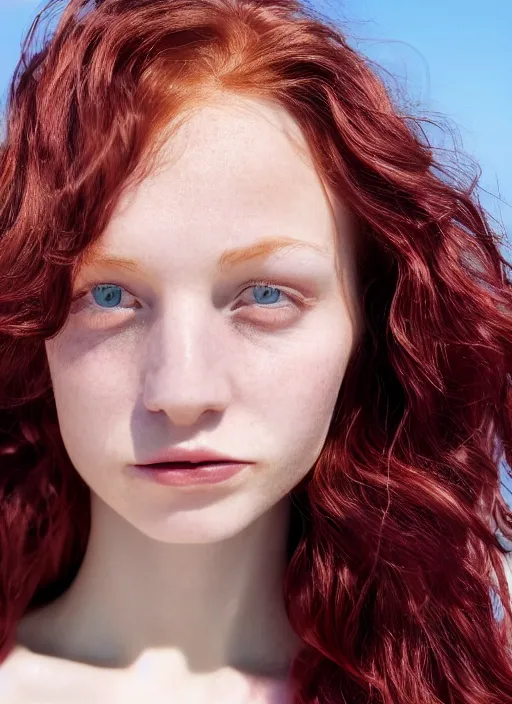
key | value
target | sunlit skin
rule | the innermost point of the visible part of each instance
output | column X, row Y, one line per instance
column 243, row 353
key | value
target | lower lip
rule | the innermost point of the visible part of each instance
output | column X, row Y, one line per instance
column 187, row 476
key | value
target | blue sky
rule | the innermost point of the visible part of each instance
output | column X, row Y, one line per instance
column 453, row 57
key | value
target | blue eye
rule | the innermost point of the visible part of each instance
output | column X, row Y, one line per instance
column 263, row 291
column 107, row 294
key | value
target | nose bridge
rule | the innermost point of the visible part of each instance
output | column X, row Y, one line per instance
column 185, row 370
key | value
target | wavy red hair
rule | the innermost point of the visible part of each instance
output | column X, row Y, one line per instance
column 395, row 558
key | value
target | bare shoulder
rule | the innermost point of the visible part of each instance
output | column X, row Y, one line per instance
column 27, row 677
column 30, row 678
column 24, row 671
column 14, row 671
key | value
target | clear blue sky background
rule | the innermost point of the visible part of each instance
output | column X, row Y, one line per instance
column 453, row 57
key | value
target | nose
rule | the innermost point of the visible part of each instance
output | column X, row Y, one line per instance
column 186, row 366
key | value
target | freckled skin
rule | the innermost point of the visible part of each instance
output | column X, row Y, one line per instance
column 190, row 357
column 183, row 371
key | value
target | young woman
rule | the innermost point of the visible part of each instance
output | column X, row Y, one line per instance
column 255, row 348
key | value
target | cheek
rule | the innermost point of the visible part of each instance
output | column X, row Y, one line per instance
column 305, row 391
column 301, row 372
column 291, row 411
column 89, row 386
column 84, row 371
column 293, row 390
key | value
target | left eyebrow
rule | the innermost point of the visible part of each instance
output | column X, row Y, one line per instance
column 262, row 249
column 229, row 259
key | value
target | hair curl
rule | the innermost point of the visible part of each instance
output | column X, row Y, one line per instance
column 395, row 563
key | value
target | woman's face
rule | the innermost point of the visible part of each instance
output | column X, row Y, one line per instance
column 180, row 353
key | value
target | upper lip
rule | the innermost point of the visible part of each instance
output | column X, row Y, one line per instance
column 201, row 454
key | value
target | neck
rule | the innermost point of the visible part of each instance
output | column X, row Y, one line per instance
column 204, row 606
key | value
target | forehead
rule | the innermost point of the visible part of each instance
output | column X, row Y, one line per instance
column 234, row 174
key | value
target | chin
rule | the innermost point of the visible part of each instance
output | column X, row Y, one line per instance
column 192, row 529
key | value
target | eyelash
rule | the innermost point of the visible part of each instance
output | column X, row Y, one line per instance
column 299, row 300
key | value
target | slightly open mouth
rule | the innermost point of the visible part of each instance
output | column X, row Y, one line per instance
column 189, row 465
